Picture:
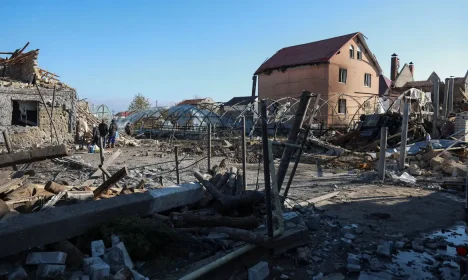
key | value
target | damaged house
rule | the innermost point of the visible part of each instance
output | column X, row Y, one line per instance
column 28, row 96
column 342, row 69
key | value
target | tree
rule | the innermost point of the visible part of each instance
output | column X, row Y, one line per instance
column 139, row 103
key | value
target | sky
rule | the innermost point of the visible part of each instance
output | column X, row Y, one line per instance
column 110, row 50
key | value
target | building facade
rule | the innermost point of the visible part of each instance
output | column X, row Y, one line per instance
column 342, row 69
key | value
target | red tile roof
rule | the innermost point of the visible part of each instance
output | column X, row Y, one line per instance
column 123, row 114
column 191, row 101
column 311, row 53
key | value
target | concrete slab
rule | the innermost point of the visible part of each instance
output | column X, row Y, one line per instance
column 179, row 195
column 60, row 223
column 50, row 270
column 46, row 258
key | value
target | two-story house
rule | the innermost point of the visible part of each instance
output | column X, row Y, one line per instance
column 342, row 69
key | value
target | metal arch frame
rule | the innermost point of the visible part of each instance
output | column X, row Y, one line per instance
column 103, row 117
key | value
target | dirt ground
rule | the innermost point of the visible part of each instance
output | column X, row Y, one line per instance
column 381, row 212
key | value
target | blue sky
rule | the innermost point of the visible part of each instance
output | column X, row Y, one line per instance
column 174, row 50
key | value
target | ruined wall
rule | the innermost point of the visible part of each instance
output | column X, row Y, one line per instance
column 64, row 114
column 24, row 70
column 404, row 76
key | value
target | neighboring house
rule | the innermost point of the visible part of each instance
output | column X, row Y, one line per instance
column 403, row 80
column 240, row 104
column 201, row 103
column 342, row 69
column 122, row 115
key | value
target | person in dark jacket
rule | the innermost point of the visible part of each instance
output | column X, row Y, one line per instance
column 128, row 128
column 103, row 130
column 95, row 139
column 112, row 133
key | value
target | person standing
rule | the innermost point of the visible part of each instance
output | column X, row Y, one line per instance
column 95, row 139
column 112, row 133
column 103, row 130
column 128, row 129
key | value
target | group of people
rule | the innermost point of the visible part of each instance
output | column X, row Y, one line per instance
column 105, row 132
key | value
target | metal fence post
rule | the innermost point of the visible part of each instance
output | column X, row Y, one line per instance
column 266, row 168
column 209, row 146
column 244, row 154
column 383, row 147
column 404, row 135
column 177, row 164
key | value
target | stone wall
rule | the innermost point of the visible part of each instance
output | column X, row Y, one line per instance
column 24, row 70
column 64, row 114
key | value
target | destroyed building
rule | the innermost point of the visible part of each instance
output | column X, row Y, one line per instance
column 28, row 95
column 342, row 69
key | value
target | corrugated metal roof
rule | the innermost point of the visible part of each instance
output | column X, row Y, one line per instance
column 311, row 53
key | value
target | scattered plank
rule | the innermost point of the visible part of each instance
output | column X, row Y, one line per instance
column 98, row 172
column 53, row 200
column 111, row 181
column 318, row 199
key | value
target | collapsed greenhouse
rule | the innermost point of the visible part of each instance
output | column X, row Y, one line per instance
column 192, row 121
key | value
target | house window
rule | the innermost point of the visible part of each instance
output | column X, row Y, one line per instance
column 343, row 75
column 341, row 106
column 359, row 53
column 351, row 51
column 25, row 113
column 367, row 80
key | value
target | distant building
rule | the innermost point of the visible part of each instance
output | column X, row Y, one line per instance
column 201, row 103
column 342, row 69
column 122, row 115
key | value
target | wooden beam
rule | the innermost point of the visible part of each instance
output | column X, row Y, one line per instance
column 111, row 181
column 98, row 172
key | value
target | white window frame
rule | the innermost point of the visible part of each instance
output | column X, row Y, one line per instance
column 351, row 51
column 359, row 53
column 342, row 110
column 367, row 80
column 342, row 75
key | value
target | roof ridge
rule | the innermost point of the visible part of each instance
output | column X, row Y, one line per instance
column 355, row 33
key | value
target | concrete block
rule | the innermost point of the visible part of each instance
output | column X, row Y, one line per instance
column 127, row 260
column 115, row 259
column 80, row 195
column 50, row 270
column 17, row 272
column 79, row 275
column 90, row 261
column 115, row 239
column 353, row 259
column 385, row 249
column 99, row 271
column 291, row 217
column 260, row 271
column 137, row 276
column 46, row 258
column 353, row 268
column 350, row 236
column 97, row 248
column 346, row 243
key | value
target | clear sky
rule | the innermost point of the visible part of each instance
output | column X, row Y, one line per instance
column 109, row 50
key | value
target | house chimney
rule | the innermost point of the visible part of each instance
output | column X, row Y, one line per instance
column 411, row 68
column 395, row 64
